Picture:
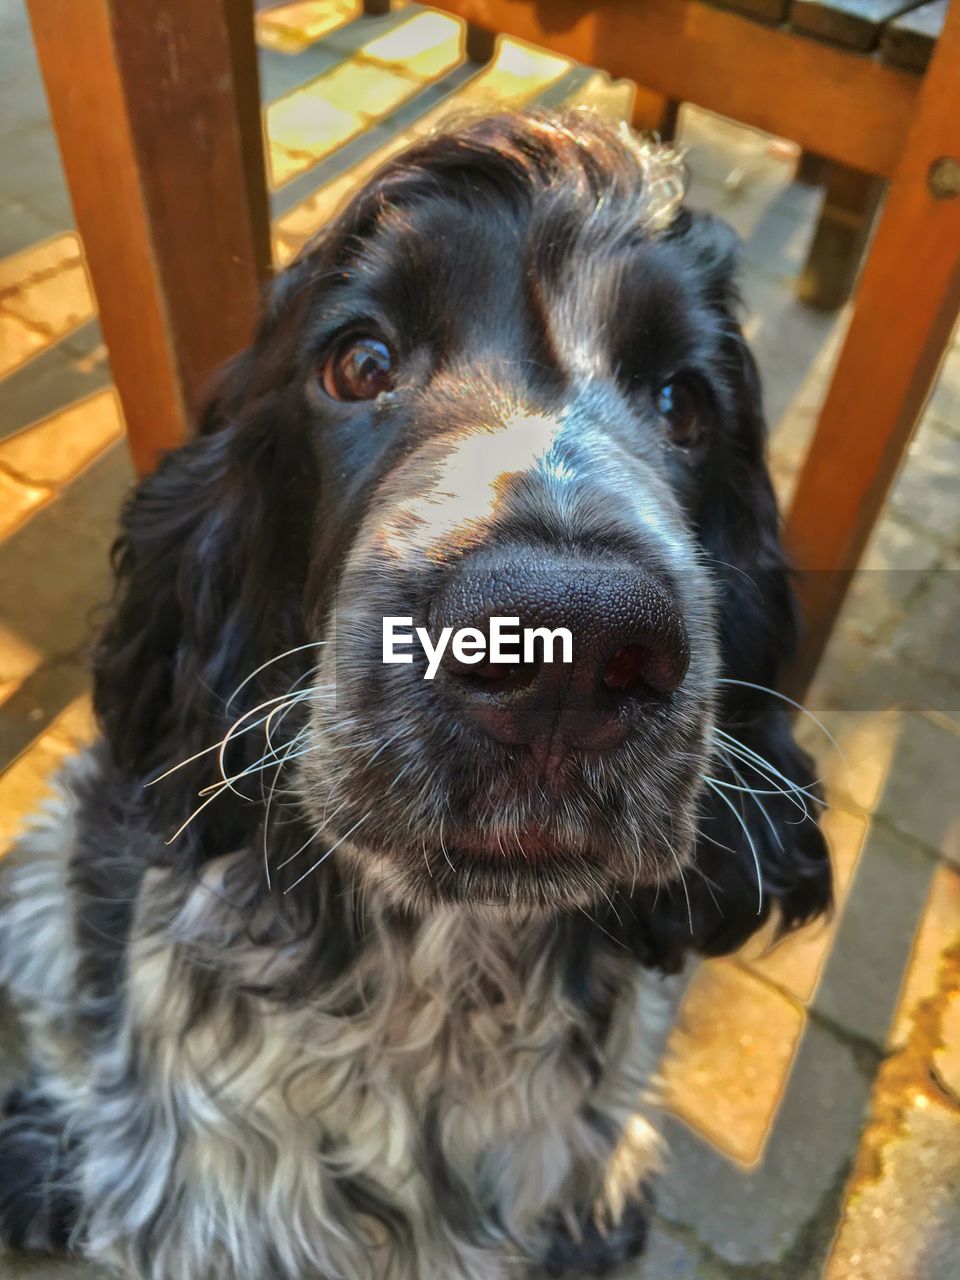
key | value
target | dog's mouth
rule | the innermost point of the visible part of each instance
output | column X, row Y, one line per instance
column 509, row 873
column 562, row 858
column 437, row 815
column 533, row 842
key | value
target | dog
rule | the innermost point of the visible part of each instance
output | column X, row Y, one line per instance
column 329, row 970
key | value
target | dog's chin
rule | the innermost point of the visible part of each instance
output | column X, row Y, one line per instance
column 513, row 879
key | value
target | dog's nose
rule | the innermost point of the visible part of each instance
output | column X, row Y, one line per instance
column 628, row 647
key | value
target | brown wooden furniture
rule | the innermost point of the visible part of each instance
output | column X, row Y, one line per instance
column 905, row 311
column 902, row 33
column 157, row 112
column 733, row 70
column 156, row 108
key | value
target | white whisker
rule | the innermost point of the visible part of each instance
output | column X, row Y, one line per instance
column 775, row 693
column 686, row 892
column 746, row 831
column 286, row 862
column 336, row 845
column 199, row 809
column 313, row 644
column 755, row 797
column 759, row 764
column 443, row 848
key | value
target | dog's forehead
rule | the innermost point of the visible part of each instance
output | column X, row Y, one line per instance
column 455, row 238
column 580, row 273
column 445, row 250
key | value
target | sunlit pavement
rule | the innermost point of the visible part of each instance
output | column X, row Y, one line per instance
column 814, row 1088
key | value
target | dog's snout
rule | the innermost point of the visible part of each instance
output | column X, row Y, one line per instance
column 625, row 646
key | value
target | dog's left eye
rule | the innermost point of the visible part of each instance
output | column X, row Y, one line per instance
column 360, row 368
column 680, row 405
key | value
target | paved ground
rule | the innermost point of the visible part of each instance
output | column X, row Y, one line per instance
column 814, row 1090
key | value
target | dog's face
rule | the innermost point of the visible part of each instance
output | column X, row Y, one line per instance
column 523, row 425
column 507, row 383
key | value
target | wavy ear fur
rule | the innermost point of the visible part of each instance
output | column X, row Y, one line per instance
column 210, row 566
column 738, row 523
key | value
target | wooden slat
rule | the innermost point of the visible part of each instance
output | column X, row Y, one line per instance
column 837, row 103
column 244, row 57
column 855, row 24
column 765, row 10
column 850, row 200
column 909, row 40
column 905, row 309
column 165, row 168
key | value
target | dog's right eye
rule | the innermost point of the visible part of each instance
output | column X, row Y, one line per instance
column 679, row 403
column 360, row 368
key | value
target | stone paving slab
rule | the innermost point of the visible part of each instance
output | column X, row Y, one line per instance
column 56, row 449
column 18, row 342
column 21, row 226
column 57, row 375
column 926, row 488
column 859, row 988
column 790, row 344
column 929, row 751
column 927, row 635
column 733, row 1048
column 35, row 176
column 47, row 286
column 667, row 1257
column 292, row 28
column 861, row 675
column 901, row 1216
column 55, row 571
column 757, row 1215
column 944, row 406
column 795, row 964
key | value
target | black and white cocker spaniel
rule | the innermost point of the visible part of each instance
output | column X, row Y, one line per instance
column 330, row 971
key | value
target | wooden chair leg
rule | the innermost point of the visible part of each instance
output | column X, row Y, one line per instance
column 655, row 113
column 906, row 305
column 850, row 204
column 241, row 36
column 811, row 169
column 669, row 120
column 480, row 44
column 156, row 109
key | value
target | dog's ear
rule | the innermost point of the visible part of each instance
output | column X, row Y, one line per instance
column 209, row 565
column 763, row 851
column 737, row 517
column 713, row 249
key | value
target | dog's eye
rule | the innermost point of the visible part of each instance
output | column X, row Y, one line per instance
column 361, row 368
column 681, row 407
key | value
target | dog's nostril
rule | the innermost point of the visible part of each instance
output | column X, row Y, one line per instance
column 646, row 668
column 496, row 674
column 493, row 671
column 627, row 669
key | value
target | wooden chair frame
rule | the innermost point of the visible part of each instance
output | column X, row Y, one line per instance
column 156, row 106
column 164, row 122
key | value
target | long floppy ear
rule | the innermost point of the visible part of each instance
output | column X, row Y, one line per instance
column 210, row 569
column 760, row 848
